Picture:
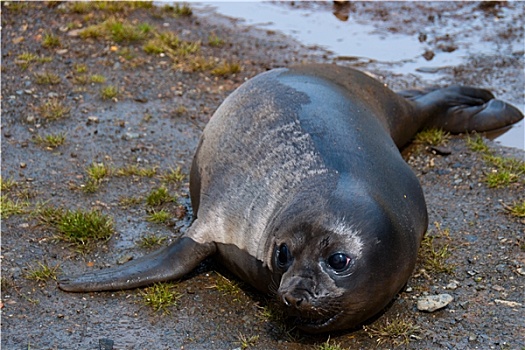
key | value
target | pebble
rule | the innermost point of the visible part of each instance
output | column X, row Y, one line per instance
column 521, row 271
column 434, row 302
column 453, row 285
column 130, row 136
column 508, row 303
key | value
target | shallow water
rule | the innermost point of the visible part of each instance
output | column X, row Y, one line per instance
column 399, row 51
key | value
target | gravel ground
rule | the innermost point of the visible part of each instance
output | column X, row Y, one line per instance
column 162, row 105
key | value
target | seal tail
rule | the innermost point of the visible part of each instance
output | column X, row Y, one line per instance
column 169, row 263
column 460, row 109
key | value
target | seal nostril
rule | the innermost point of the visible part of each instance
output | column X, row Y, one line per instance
column 290, row 300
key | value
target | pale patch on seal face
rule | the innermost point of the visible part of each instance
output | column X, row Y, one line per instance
column 318, row 263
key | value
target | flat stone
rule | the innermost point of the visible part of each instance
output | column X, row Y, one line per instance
column 434, row 302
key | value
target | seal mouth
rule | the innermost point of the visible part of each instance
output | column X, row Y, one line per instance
column 316, row 324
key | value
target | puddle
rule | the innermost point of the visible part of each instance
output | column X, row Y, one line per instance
column 361, row 39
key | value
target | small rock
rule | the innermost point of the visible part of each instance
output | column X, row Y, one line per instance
column 105, row 344
column 441, row 150
column 52, row 95
column 23, row 165
column 498, row 288
column 92, row 120
column 508, row 303
column 434, row 302
column 61, row 51
column 453, row 285
column 472, row 338
column 130, row 136
column 521, row 271
column 124, row 259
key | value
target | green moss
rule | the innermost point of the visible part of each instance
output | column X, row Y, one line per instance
column 504, row 172
column 120, row 31
column 109, row 92
column 150, row 241
column 432, row 137
column 9, row 207
column 434, row 255
column 158, row 217
column 154, row 46
column 98, row 171
column 50, row 41
column 7, row 185
column 130, row 201
column 226, row 69
column 477, row 144
column 158, row 197
column 160, row 296
column 201, row 64
column 173, row 176
column 134, row 170
column 227, row 287
column 215, row 41
column 178, row 10
column 97, row 79
column 79, row 227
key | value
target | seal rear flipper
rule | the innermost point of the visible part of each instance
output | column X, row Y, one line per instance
column 169, row 263
column 460, row 109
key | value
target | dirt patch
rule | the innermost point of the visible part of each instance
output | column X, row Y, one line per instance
column 154, row 122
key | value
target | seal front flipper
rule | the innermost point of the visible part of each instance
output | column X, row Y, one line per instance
column 169, row 263
column 462, row 109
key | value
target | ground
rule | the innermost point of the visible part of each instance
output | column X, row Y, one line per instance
column 163, row 102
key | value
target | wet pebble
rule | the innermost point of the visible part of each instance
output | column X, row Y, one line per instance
column 508, row 303
column 124, row 259
column 434, row 302
column 453, row 285
column 130, row 136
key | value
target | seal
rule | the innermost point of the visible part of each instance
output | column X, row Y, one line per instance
column 299, row 188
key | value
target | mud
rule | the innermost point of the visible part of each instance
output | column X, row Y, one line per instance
column 144, row 126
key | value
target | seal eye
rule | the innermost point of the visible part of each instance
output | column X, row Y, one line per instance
column 338, row 261
column 283, row 255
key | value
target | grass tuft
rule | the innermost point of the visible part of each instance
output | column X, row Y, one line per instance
column 160, row 296
column 42, row 272
column 505, row 171
column 158, row 197
column 79, row 227
column 328, row 345
column 226, row 69
column 150, row 241
column 47, row 78
column 432, row 137
column 434, row 256
column 50, row 41
column 54, row 109
column 245, row 342
column 51, row 141
column 398, row 331
column 517, row 209
column 174, row 176
column 109, row 92
column 158, row 217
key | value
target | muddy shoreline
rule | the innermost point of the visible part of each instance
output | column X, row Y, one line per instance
column 163, row 103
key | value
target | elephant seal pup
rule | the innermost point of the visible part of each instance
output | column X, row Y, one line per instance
column 299, row 188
